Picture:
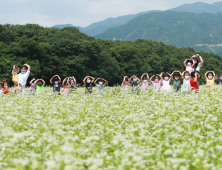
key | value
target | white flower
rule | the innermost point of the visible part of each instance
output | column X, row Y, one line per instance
column 168, row 152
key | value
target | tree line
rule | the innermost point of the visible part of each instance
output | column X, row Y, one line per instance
column 68, row 52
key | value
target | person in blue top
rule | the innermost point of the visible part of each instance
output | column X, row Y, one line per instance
column 100, row 84
column 56, row 81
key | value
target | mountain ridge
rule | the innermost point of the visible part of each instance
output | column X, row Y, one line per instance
column 101, row 26
column 182, row 29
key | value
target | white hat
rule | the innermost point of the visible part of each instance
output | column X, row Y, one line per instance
column 194, row 56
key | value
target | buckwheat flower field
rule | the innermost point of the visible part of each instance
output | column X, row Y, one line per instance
column 115, row 130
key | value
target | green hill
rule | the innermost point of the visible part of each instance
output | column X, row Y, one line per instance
column 100, row 27
column 182, row 29
column 200, row 7
column 68, row 52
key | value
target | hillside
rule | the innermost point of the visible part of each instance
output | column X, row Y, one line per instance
column 182, row 29
column 200, row 7
column 100, row 27
column 68, row 52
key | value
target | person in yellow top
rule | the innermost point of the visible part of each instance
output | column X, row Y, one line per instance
column 15, row 70
column 210, row 78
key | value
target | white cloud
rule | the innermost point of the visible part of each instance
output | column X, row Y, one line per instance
column 77, row 12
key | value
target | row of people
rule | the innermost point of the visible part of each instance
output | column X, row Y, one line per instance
column 20, row 80
column 162, row 81
column 159, row 82
column 69, row 85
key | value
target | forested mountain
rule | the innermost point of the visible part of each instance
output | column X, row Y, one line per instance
column 66, row 25
column 182, row 29
column 200, row 7
column 68, row 52
column 100, row 27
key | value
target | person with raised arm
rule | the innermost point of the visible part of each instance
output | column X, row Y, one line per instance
column 32, row 89
column 193, row 81
column 18, row 89
column 100, row 84
column 176, row 78
column 56, row 81
column 88, row 81
column 135, row 83
column 23, row 76
column 189, row 64
column 5, row 88
column 186, row 82
column 73, row 84
column 39, row 84
column 197, row 65
column 165, row 78
column 65, row 84
column 144, row 81
column 15, row 71
column 125, row 83
column 210, row 78
column 157, row 83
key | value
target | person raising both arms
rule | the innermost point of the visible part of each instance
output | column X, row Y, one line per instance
column 56, row 81
column 73, row 84
column 32, row 89
column 39, row 84
column 15, row 71
column 65, row 85
column 125, row 83
column 189, row 64
column 186, row 82
column 157, row 83
column 100, row 84
column 135, row 83
column 210, row 78
column 193, row 81
column 197, row 63
column 5, row 89
column 23, row 76
column 176, row 78
column 145, row 82
column 88, row 80
column 18, row 89
column 165, row 78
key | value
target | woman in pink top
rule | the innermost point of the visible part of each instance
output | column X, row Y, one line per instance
column 189, row 64
column 125, row 83
column 157, row 83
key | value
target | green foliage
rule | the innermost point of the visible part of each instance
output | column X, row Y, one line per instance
column 68, row 52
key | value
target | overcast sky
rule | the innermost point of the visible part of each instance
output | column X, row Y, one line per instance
column 78, row 12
